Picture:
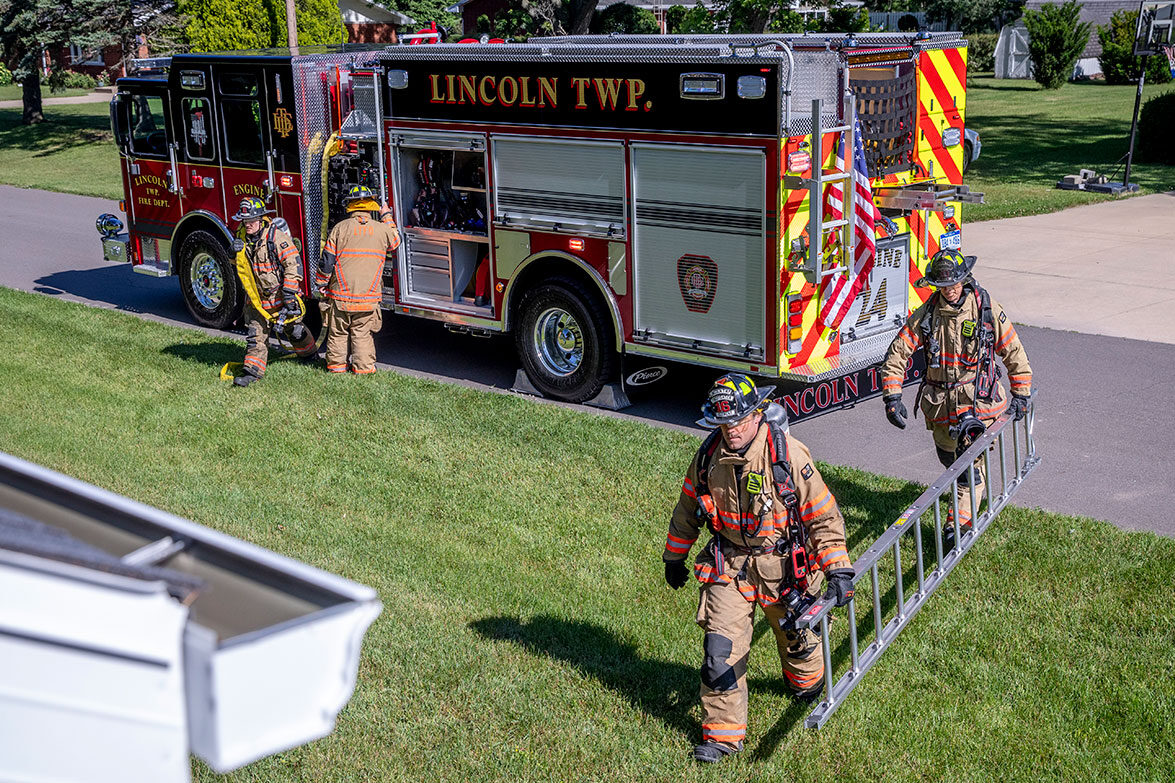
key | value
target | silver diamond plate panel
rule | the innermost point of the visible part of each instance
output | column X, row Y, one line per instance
column 311, row 99
column 556, row 50
column 817, row 76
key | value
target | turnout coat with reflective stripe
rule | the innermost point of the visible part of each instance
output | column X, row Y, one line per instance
column 752, row 514
column 354, row 257
column 957, row 331
column 274, row 275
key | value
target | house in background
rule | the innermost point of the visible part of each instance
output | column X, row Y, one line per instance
column 369, row 22
column 1011, row 52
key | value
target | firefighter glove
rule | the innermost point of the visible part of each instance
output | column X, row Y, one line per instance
column 840, row 585
column 238, row 245
column 290, row 308
column 895, row 410
column 676, row 574
column 1018, row 406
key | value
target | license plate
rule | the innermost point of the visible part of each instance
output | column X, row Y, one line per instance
column 952, row 240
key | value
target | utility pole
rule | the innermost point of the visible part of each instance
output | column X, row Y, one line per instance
column 291, row 23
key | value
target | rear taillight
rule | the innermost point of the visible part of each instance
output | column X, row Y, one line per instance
column 795, row 322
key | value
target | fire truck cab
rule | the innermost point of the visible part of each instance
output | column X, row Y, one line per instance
column 652, row 198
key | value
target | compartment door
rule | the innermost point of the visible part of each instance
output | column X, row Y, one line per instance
column 699, row 249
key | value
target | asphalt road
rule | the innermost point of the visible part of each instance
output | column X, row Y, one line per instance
column 1105, row 417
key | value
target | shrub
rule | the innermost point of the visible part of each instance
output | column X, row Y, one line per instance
column 1055, row 41
column 1119, row 65
column 981, row 52
column 908, row 23
column 75, row 80
column 5, row 76
column 1154, row 129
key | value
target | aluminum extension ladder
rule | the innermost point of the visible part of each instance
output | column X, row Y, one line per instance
column 1023, row 459
column 812, row 265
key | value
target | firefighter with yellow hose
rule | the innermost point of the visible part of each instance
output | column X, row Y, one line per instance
column 962, row 330
column 351, row 278
column 270, row 269
column 777, row 539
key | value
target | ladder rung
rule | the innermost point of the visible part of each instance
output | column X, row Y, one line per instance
column 837, row 129
column 833, row 224
column 837, row 177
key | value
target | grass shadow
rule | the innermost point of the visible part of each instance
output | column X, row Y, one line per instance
column 211, row 354
column 57, row 133
column 660, row 689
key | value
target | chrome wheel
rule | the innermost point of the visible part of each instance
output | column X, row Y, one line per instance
column 558, row 341
column 207, row 281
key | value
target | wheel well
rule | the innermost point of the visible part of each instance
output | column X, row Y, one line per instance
column 540, row 269
column 196, row 222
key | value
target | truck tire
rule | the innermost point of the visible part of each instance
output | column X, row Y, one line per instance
column 968, row 151
column 208, row 278
column 564, row 340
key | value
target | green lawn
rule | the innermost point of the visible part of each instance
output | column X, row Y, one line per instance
column 14, row 92
column 1032, row 137
column 72, row 152
column 527, row 634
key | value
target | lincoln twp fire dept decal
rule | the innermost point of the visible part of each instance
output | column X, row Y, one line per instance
column 283, row 122
column 697, row 277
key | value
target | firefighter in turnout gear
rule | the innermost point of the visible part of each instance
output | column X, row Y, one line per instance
column 352, row 276
column 271, row 278
column 777, row 538
column 962, row 330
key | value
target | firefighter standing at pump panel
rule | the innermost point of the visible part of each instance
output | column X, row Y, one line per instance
column 962, row 330
column 352, row 275
column 276, row 268
column 775, row 526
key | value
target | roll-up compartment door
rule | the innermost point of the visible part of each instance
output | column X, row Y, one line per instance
column 699, row 248
column 560, row 184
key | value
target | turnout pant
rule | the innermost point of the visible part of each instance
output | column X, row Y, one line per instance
column 728, row 620
column 257, row 331
column 350, row 332
column 946, row 445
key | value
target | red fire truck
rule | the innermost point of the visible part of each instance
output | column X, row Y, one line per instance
column 610, row 200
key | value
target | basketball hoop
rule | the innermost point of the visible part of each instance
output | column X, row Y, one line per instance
column 1154, row 34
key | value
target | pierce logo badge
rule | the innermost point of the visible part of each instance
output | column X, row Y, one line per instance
column 697, row 277
column 646, row 376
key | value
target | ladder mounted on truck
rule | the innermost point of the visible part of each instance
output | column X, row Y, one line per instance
column 820, row 229
column 1023, row 459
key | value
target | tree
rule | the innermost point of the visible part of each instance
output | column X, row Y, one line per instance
column 625, row 18
column 1119, row 65
column 687, row 21
column 30, row 27
column 216, row 25
column 1055, row 40
column 973, row 16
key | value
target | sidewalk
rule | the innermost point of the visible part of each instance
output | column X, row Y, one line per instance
column 1105, row 268
column 100, row 95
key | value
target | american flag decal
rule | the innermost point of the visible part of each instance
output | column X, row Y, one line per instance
column 842, row 288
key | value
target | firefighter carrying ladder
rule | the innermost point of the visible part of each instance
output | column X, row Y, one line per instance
column 888, row 617
column 812, row 266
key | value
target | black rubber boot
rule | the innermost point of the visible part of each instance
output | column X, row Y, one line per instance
column 709, row 751
column 810, row 696
column 244, row 379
